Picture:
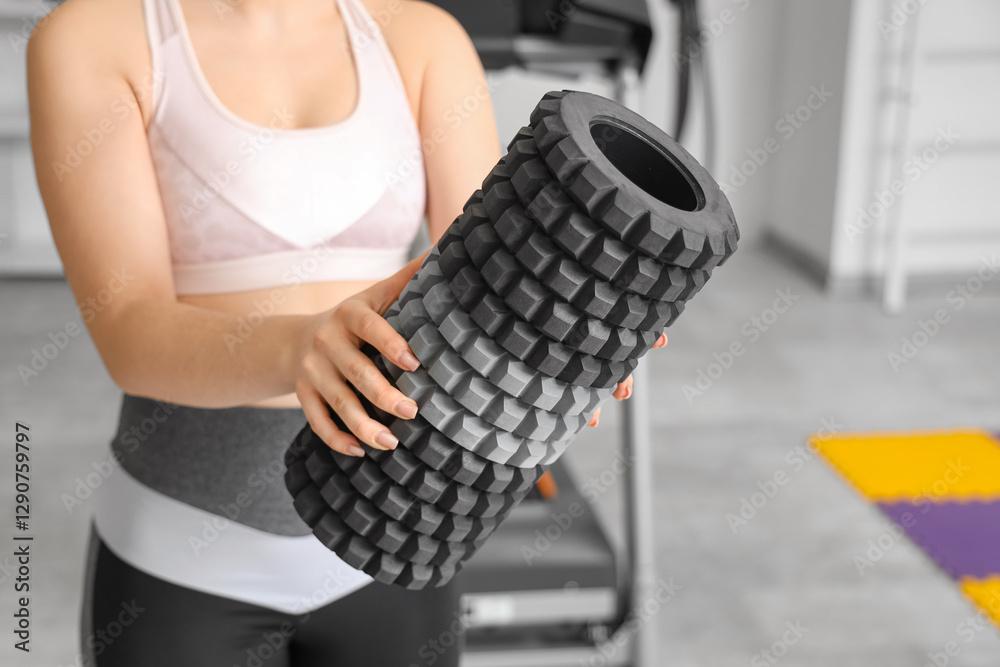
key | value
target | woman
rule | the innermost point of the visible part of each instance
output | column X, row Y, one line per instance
column 255, row 172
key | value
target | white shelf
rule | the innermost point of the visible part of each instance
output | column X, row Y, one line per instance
column 18, row 9
column 14, row 125
column 25, row 259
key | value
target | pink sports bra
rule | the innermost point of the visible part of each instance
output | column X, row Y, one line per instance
column 252, row 207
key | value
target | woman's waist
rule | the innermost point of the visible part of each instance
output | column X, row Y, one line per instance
column 252, row 307
column 300, row 277
column 295, row 299
column 229, row 462
column 217, row 553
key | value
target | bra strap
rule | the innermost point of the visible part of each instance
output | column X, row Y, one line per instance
column 160, row 24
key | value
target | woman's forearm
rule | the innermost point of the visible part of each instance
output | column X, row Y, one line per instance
column 203, row 358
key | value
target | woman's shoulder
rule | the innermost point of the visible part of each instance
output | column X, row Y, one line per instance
column 414, row 13
column 423, row 38
column 104, row 27
column 106, row 37
column 418, row 31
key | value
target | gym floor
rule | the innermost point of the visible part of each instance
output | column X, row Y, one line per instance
column 821, row 364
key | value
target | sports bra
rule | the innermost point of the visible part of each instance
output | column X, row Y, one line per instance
column 251, row 206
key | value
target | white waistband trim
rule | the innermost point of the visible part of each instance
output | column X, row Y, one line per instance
column 289, row 268
column 190, row 547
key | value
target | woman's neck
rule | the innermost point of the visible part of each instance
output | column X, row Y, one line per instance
column 268, row 14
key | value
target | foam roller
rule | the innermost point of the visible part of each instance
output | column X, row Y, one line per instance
column 678, row 216
column 565, row 277
column 427, row 299
column 562, row 359
column 585, row 241
column 532, row 301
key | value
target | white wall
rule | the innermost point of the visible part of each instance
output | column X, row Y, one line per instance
column 947, row 213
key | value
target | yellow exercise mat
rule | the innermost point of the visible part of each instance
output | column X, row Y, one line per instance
column 909, row 466
column 985, row 594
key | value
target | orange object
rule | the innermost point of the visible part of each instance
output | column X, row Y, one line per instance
column 547, row 486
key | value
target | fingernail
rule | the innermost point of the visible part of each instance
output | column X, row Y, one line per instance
column 354, row 450
column 386, row 439
column 406, row 409
column 628, row 393
column 410, row 362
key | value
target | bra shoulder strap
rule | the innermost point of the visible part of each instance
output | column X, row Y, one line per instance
column 160, row 23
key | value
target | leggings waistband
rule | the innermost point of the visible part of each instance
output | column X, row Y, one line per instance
column 229, row 462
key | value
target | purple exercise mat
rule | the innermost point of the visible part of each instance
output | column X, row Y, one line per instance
column 963, row 538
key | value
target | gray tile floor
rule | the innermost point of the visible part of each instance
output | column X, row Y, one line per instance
column 819, row 363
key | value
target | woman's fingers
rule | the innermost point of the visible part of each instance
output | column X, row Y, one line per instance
column 595, row 419
column 361, row 372
column 624, row 389
column 319, row 419
column 372, row 328
column 342, row 399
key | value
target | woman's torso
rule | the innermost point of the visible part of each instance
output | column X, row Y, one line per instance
column 260, row 78
column 196, row 496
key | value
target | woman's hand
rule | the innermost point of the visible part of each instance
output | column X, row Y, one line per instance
column 331, row 362
column 624, row 389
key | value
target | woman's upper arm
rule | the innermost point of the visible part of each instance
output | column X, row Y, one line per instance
column 456, row 119
column 94, row 168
